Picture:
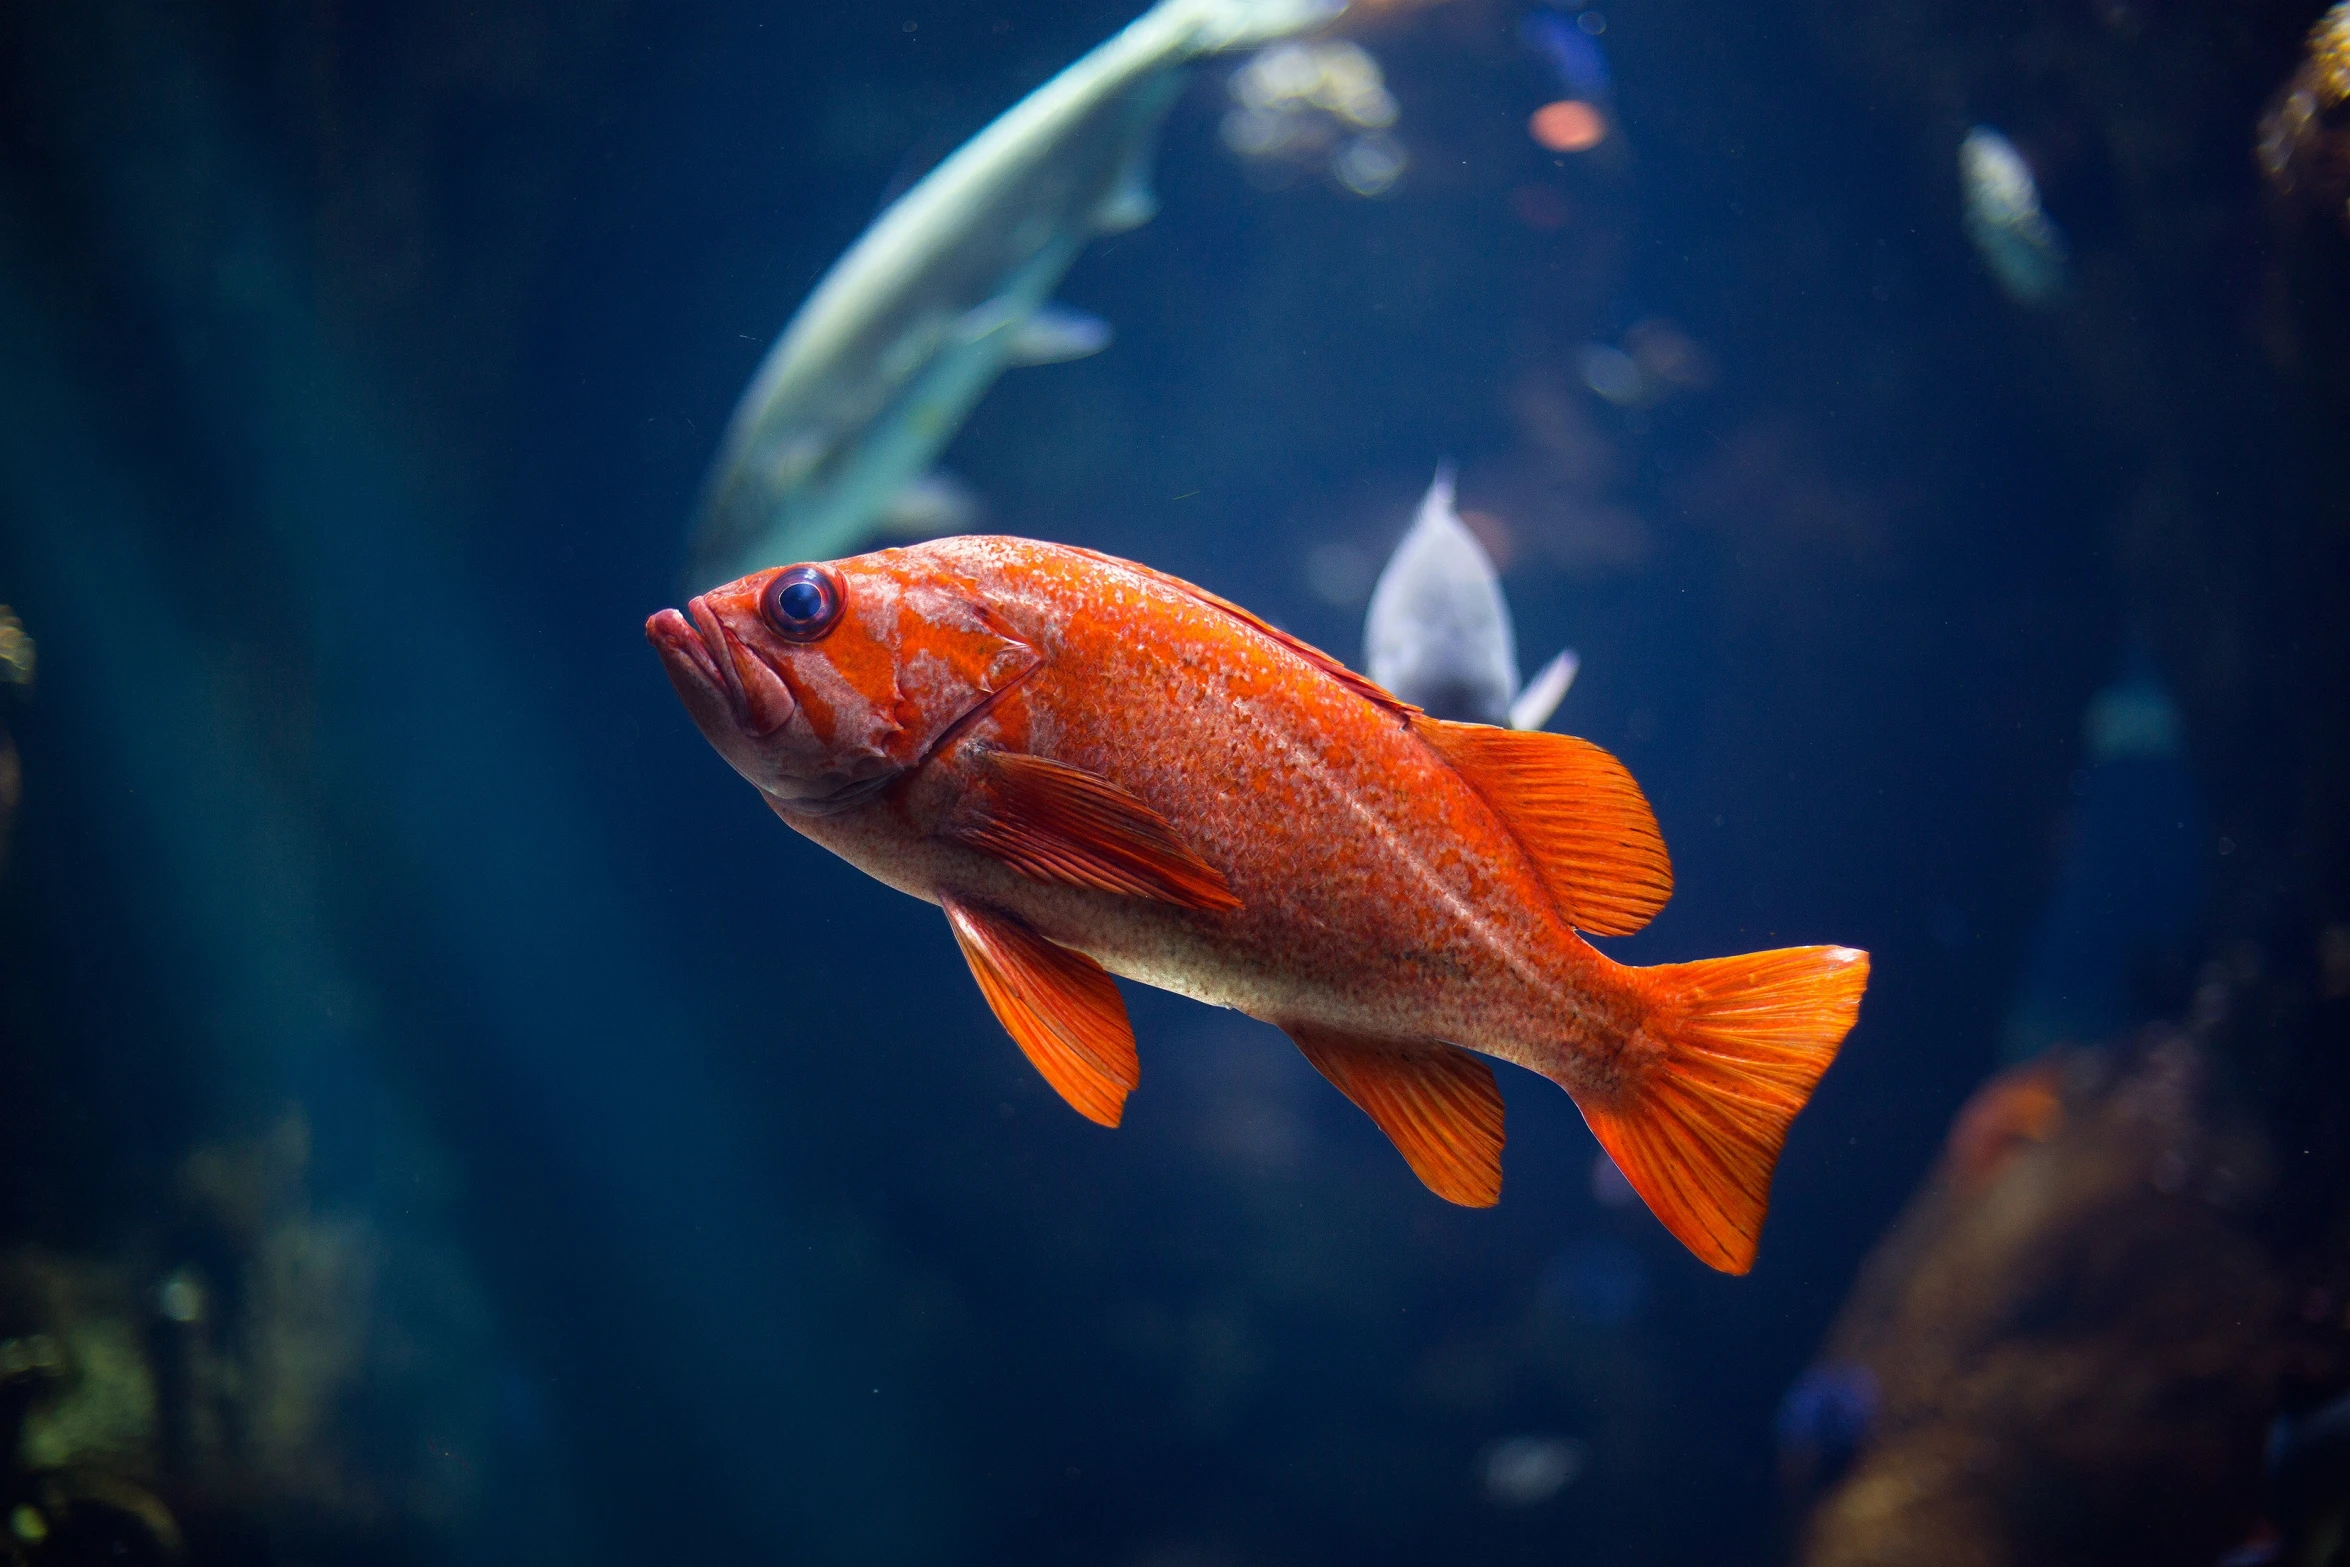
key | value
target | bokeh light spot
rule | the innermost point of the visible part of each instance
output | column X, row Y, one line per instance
column 1569, row 125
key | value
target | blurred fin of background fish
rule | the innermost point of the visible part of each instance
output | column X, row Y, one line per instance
column 1055, row 334
column 909, row 328
column 1539, row 697
column 1438, row 632
column 928, row 505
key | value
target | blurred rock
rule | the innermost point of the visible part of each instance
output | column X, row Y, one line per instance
column 77, row 1418
column 2071, row 1332
column 2209, row 344
column 2304, row 145
column 290, row 1389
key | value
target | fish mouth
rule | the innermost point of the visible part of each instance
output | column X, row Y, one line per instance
column 686, row 653
column 704, row 658
column 720, row 650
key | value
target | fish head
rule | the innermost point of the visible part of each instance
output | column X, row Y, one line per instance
column 823, row 683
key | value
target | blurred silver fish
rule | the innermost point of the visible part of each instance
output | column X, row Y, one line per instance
column 2023, row 248
column 1438, row 633
column 912, row 324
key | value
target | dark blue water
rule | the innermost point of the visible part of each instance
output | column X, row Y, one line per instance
column 646, row 1184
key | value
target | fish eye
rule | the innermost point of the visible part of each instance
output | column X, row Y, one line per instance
column 802, row 603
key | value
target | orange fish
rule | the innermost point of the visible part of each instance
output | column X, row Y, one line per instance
column 1095, row 768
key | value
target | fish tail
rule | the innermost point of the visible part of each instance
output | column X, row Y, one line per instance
column 1727, row 1053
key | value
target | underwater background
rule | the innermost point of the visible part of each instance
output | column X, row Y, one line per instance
column 443, row 1117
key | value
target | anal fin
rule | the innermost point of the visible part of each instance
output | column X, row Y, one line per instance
column 1059, row 1006
column 1575, row 811
column 1056, row 823
column 1436, row 1102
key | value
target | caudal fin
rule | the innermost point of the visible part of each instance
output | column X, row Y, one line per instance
column 1732, row 1047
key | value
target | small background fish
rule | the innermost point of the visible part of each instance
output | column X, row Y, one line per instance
column 2018, row 241
column 1438, row 631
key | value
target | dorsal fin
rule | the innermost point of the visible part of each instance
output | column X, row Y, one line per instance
column 1361, row 685
column 1436, row 1102
column 1053, row 822
column 1576, row 812
column 1060, row 1008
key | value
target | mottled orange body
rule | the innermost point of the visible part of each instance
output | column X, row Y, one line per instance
column 1088, row 763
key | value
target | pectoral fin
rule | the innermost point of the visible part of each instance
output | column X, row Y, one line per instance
column 1577, row 814
column 1130, row 202
column 1060, row 1008
column 1058, row 823
column 1436, row 1102
column 1055, row 334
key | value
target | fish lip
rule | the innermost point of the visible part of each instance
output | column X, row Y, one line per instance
column 673, row 634
column 707, row 665
column 716, row 650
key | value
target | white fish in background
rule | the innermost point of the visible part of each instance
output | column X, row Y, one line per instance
column 911, row 325
column 1438, row 633
column 2019, row 243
